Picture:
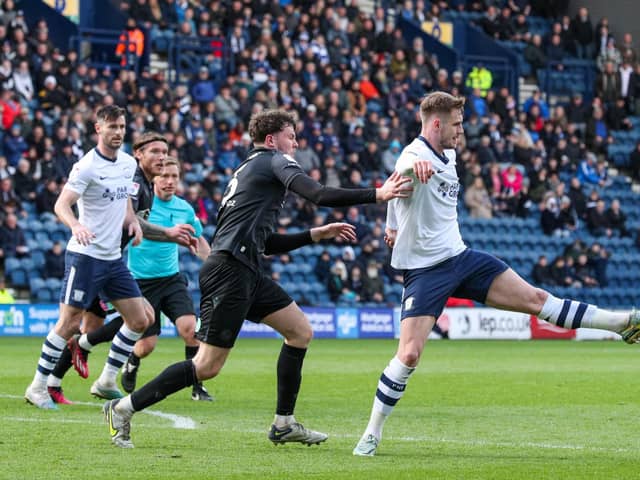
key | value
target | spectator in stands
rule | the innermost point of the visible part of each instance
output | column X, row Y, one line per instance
column 617, row 219
column 46, row 197
column 14, row 145
column 599, row 259
column 203, row 90
column 598, row 220
column 583, row 272
column 582, row 32
column 338, row 283
column 64, row 160
column 608, row 84
column 549, row 216
column 131, row 45
column 477, row 199
column 577, row 197
column 322, row 268
column 567, row 221
column 555, row 52
column 610, row 54
column 372, row 284
column 562, row 273
column 616, row 118
column 479, row 77
column 6, row 295
column 390, row 155
column 490, row 22
column 54, row 262
column 577, row 112
column 12, row 239
column 10, row 109
column 587, row 171
column 540, row 273
column 24, row 182
column 536, row 99
column 534, row 54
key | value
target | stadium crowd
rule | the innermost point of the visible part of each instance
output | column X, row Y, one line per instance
column 355, row 85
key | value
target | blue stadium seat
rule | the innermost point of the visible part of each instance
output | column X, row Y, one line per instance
column 53, row 283
column 36, row 283
column 46, row 295
column 18, row 277
column 10, row 264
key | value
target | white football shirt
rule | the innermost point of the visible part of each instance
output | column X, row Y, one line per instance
column 104, row 186
column 427, row 222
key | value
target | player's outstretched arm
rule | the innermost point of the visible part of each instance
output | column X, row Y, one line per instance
column 343, row 231
column 396, row 186
column 278, row 243
column 66, row 200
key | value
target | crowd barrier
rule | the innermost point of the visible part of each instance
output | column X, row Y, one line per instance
column 461, row 323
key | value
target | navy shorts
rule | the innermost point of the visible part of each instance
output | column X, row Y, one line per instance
column 86, row 277
column 468, row 275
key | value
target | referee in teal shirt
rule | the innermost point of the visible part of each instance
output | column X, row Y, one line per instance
column 155, row 267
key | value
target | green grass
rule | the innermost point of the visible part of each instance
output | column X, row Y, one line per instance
column 473, row 410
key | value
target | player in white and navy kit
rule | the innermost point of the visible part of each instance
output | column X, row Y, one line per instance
column 100, row 183
column 427, row 247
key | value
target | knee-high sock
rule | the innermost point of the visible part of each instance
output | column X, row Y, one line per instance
column 190, row 352
column 121, row 348
column 391, row 386
column 101, row 335
column 61, row 368
column 174, row 378
column 289, row 378
column 573, row 314
column 49, row 356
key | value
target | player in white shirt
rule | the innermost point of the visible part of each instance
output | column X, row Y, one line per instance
column 427, row 247
column 100, row 183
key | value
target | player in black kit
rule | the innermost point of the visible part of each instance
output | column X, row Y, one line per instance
column 233, row 286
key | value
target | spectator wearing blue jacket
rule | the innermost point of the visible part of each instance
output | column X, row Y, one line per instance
column 536, row 99
column 203, row 90
column 587, row 171
column 14, row 145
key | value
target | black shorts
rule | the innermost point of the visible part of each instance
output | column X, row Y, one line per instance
column 168, row 295
column 231, row 293
column 96, row 308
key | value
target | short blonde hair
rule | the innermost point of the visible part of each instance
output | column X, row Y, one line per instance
column 440, row 102
column 173, row 161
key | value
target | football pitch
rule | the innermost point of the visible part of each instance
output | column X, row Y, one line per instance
column 472, row 410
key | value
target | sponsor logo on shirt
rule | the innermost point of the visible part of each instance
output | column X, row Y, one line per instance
column 119, row 194
column 449, row 189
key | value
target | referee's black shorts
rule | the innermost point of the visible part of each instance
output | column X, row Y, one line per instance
column 168, row 295
column 232, row 292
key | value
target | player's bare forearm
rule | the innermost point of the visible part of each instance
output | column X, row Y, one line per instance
column 151, row 231
column 63, row 209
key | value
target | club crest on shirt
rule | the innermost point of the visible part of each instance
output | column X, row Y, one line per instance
column 135, row 187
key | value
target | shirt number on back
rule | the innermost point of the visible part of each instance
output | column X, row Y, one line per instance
column 232, row 187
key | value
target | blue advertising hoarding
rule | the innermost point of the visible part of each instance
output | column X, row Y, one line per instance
column 39, row 319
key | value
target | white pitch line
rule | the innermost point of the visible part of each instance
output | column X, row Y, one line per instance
column 180, row 422
column 188, row 423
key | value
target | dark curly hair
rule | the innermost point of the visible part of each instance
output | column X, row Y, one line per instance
column 269, row 122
